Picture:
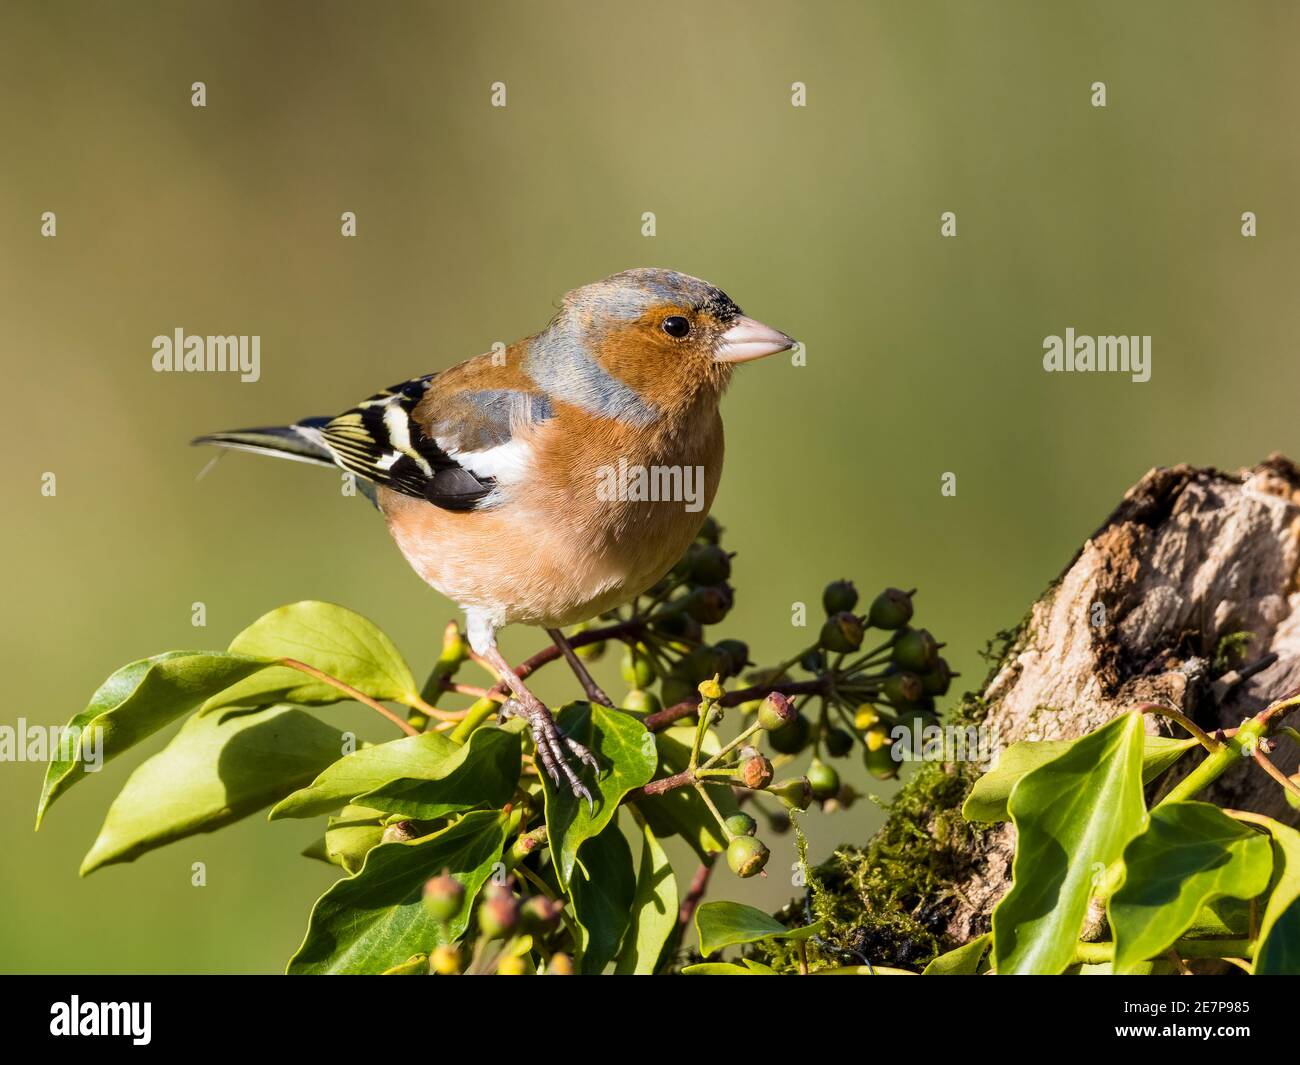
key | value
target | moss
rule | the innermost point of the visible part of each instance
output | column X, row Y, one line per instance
column 890, row 900
column 887, row 901
column 1231, row 651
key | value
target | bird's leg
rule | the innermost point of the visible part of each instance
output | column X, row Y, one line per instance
column 554, row 749
column 588, row 682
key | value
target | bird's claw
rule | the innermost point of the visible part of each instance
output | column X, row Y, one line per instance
column 554, row 748
column 581, row 753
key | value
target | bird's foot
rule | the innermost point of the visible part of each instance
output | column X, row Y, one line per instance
column 555, row 750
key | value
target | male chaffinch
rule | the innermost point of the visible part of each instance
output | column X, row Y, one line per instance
column 493, row 475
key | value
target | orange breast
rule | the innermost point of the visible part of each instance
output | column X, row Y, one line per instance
column 570, row 540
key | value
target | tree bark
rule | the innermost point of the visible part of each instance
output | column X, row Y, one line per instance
column 1188, row 558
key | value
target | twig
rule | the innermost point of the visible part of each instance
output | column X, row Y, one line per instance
column 694, row 895
column 470, row 689
column 535, row 662
column 351, row 693
column 661, row 719
column 684, row 779
column 1273, row 771
column 1207, row 741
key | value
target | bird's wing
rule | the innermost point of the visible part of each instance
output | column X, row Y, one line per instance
column 455, row 459
column 485, row 430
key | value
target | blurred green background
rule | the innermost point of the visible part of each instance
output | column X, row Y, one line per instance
column 924, row 354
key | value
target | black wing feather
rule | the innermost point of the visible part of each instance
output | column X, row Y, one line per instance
column 381, row 441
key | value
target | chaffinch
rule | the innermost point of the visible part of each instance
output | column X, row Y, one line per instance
column 505, row 480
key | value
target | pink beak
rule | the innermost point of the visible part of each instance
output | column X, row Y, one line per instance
column 748, row 339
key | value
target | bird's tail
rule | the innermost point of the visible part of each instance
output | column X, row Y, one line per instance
column 300, row 441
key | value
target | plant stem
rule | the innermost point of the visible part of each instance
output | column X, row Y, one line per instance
column 790, row 663
column 661, row 719
column 474, row 716
column 1274, row 772
column 1216, row 764
column 351, row 693
column 522, row 847
column 741, row 738
column 1099, row 953
column 704, row 794
column 449, row 661
column 1207, row 741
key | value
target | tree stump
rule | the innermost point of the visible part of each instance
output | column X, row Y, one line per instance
column 1149, row 610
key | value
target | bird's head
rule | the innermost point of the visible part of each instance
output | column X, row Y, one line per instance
column 652, row 335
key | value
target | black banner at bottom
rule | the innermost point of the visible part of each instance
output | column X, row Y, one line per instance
column 379, row 1016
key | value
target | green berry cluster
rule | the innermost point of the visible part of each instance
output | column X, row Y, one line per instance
column 863, row 695
column 846, row 691
column 673, row 650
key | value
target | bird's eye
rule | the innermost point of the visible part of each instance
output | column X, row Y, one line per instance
column 676, row 326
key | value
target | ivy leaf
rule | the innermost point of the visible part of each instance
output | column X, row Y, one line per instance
column 216, row 770
column 627, row 756
column 316, row 849
column 134, row 703
column 351, row 835
column 376, row 920
column 964, row 961
column 602, row 893
column 726, row 968
column 682, row 812
column 1073, row 817
column 987, row 800
column 654, row 910
column 1222, row 917
column 482, row 772
column 727, row 924
column 1278, row 953
column 368, row 768
column 424, row 777
column 332, row 639
column 1190, row 854
column 415, row 965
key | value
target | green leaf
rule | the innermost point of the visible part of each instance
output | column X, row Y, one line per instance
column 368, row 768
column 376, row 920
column 987, row 800
column 1278, row 953
column 482, row 772
column 424, row 777
column 135, row 702
column 415, row 965
column 654, row 910
column 1073, row 817
column 1159, row 967
column 964, row 961
column 353, row 834
column 627, row 756
column 1190, row 854
column 726, row 968
column 726, row 924
column 602, row 894
column 681, row 812
column 216, row 770
column 332, row 639
column 316, row 849
column 1222, row 917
